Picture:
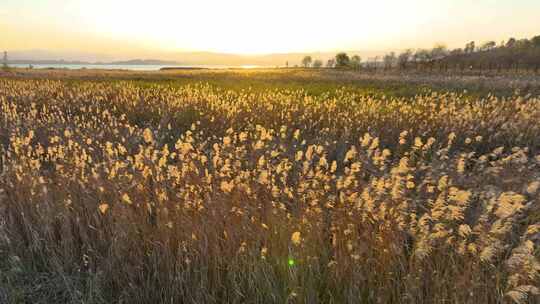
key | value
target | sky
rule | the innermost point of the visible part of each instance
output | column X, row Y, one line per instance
column 142, row 28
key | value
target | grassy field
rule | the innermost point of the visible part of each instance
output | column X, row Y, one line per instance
column 268, row 186
column 312, row 81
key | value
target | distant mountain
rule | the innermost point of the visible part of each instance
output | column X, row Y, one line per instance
column 144, row 62
column 182, row 58
column 24, row 61
column 66, row 56
column 279, row 59
column 127, row 62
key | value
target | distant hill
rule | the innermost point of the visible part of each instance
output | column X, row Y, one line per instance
column 126, row 62
column 24, row 61
column 279, row 59
column 48, row 56
column 144, row 62
column 177, row 58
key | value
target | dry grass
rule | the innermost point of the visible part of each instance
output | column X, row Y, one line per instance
column 112, row 193
column 316, row 80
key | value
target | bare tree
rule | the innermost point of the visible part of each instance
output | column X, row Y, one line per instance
column 306, row 62
column 317, row 63
column 342, row 60
column 439, row 51
column 422, row 56
column 511, row 43
column 488, row 46
column 536, row 41
column 331, row 63
column 5, row 61
column 510, row 54
column 356, row 62
column 389, row 60
column 470, row 47
column 404, row 58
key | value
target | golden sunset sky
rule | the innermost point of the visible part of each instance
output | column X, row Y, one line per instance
column 136, row 27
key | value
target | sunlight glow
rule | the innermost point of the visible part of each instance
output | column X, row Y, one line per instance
column 258, row 26
column 250, row 27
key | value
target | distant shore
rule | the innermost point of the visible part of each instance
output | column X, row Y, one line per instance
column 129, row 67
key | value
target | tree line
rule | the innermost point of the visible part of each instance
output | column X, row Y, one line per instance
column 341, row 60
column 522, row 54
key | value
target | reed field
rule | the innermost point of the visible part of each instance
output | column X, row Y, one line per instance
column 117, row 192
column 311, row 80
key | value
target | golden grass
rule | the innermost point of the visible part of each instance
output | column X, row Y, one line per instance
column 316, row 81
column 112, row 193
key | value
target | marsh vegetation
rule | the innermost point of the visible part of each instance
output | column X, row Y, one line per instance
column 177, row 191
